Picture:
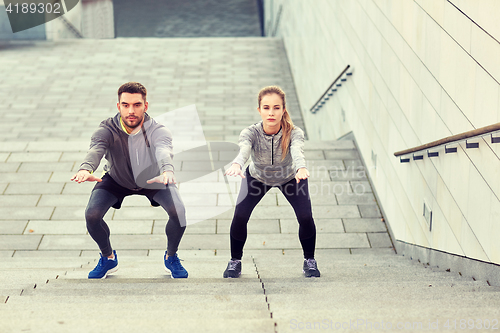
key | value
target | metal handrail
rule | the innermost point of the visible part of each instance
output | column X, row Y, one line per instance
column 329, row 88
column 453, row 138
column 71, row 27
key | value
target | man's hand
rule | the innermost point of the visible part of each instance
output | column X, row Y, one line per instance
column 302, row 173
column 235, row 170
column 85, row 176
column 166, row 178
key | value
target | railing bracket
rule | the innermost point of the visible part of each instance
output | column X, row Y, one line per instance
column 418, row 157
column 432, row 154
column 471, row 145
column 495, row 139
column 450, row 150
column 404, row 160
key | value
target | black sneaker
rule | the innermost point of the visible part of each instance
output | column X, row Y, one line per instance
column 310, row 268
column 233, row 269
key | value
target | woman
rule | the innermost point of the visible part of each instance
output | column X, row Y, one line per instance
column 276, row 148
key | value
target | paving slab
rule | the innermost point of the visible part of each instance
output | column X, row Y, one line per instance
column 322, row 226
column 6, row 254
column 4, row 157
column 342, row 155
column 79, row 146
column 19, row 200
column 74, row 188
column 53, row 227
column 67, row 242
column 75, row 213
column 9, row 167
column 329, row 145
column 364, row 225
column 360, row 186
column 369, row 211
column 202, row 227
column 52, row 200
column 34, row 177
column 318, row 189
column 270, row 199
column 34, row 188
column 314, row 155
column 34, row 157
column 355, row 174
column 379, row 239
column 94, row 255
column 45, row 254
column 255, row 226
column 13, row 146
column 23, row 213
column 12, row 227
column 356, row 198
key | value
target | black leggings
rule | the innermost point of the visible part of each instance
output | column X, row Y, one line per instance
column 102, row 200
column 251, row 192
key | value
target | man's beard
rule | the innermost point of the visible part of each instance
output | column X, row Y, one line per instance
column 139, row 120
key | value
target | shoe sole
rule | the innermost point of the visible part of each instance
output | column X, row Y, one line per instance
column 312, row 276
column 110, row 271
column 232, row 277
column 171, row 276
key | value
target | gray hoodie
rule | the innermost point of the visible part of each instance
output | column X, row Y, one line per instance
column 266, row 165
column 131, row 159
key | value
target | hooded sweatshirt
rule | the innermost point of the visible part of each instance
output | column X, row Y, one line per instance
column 131, row 158
column 267, row 165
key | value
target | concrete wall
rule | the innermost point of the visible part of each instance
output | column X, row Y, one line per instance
column 423, row 70
column 98, row 19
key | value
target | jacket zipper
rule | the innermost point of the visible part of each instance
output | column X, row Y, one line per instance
column 272, row 150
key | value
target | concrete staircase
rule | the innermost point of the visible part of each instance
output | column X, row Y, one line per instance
column 359, row 291
column 46, row 253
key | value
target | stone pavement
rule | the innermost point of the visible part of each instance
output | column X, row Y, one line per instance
column 56, row 93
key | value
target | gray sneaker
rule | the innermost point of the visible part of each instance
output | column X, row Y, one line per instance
column 310, row 268
column 233, row 269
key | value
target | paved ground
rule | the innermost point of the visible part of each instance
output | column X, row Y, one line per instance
column 55, row 94
column 193, row 18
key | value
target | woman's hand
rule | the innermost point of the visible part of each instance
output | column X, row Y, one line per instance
column 235, row 170
column 302, row 173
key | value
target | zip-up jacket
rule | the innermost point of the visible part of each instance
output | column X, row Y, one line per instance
column 131, row 159
column 265, row 150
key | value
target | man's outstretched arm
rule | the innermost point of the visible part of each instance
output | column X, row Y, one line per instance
column 99, row 144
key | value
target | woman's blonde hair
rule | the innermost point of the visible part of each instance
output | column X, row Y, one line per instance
column 286, row 122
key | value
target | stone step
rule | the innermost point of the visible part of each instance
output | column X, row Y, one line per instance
column 135, row 317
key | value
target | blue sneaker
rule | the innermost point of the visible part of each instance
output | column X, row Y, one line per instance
column 174, row 267
column 104, row 267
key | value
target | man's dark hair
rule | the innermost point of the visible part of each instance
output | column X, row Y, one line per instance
column 132, row 88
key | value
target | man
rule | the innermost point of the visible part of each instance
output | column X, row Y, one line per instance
column 139, row 156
